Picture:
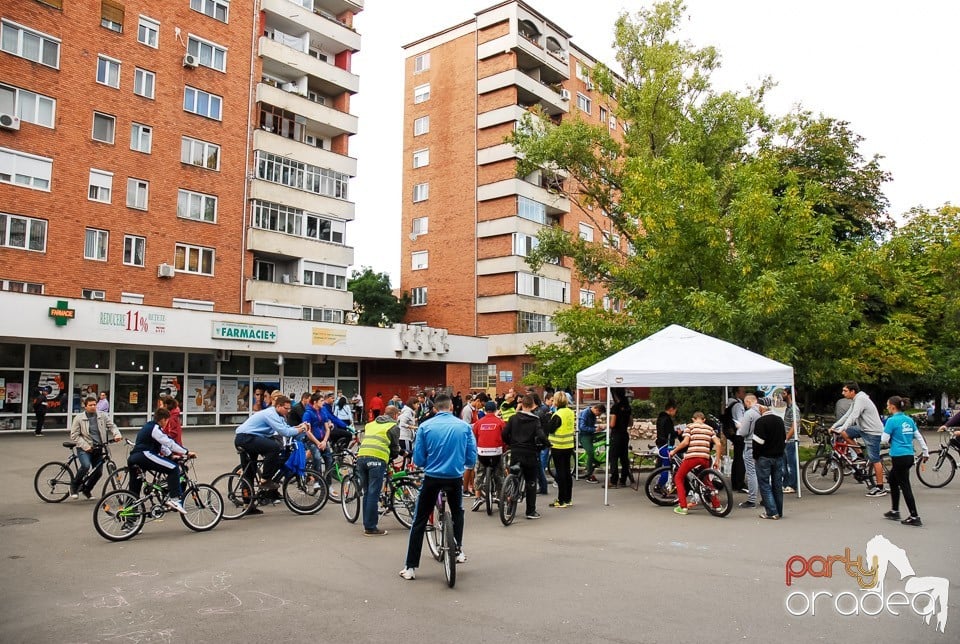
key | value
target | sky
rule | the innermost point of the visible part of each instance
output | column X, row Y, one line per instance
column 887, row 67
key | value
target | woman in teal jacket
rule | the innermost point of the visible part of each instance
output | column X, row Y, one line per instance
column 900, row 431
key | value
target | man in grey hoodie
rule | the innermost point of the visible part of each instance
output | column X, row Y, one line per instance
column 863, row 413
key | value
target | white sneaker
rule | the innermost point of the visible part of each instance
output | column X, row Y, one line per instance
column 316, row 486
column 461, row 557
column 409, row 573
column 788, row 490
column 174, row 504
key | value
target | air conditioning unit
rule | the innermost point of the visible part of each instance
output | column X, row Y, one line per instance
column 94, row 295
column 223, row 355
column 565, row 94
column 165, row 270
column 590, row 85
column 9, row 122
column 190, row 61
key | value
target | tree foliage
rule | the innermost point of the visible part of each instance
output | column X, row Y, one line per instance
column 373, row 299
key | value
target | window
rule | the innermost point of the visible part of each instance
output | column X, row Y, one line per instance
column 483, row 376
column 324, row 275
column 25, row 170
column 611, row 304
column 111, row 15
column 421, row 158
column 134, row 248
column 582, row 72
column 418, row 296
column 531, row 210
column 144, row 82
column 534, row 323
column 603, row 115
column 421, row 125
column 29, row 106
column 302, row 176
column 586, row 232
column 93, row 294
column 29, row 44
column 293, row 221
column 611, row 240
column 207, row 53
column 138, row 193
column 216, row 9
column 148, row 32
column 324, row 229
column 421, row 63
column 523, row 244
column 193, row 259
column 197, row 206
column 25, row 233
column 131, row 298
column 421, row 192
column 613, row 122
column 16, row 286
column 200, row 153
column 192, row 305
column 583, row 103
column 543, row 287
column 95, row 244
column 141, row 138
column 264, row 271
column 103, row 127
column 419, row 260
column 100, row 186
column 203, row 103
column 587, row 298
column 421, row 225
column 322, row 315
column 421, row 93
column 108, row 71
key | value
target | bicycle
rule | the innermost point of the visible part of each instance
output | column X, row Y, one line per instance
column 836, row 457
column 511, row 492
column 599, row 456
column 940, row 469
column 703, row 484
column 643, row 462
column 487, row 495
column 55, row 480
column 344, row 459
column 304, row 493
column 120, row 515
column 441, row 540
column 398, row 494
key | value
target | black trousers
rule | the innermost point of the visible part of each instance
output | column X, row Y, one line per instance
column 426, row 502
column 738, row 475
column 564, row 476
column 619, row 458
column 269, row 449
column 900, row 482
column 529, row 463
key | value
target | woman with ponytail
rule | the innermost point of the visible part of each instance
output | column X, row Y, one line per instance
column 900, row 431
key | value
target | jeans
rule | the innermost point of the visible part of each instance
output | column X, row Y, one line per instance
column 769, row 473
column 664, row 461
column 750, row 470
column 87, row 459
column 371, row 471
column 541, row 473
column 790, row 464
column 426, row 502
column 586, row 444
column 316, row 455
column 529, row 463
column 561, row 466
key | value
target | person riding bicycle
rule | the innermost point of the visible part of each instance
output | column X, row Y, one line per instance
column 316, row 440
column 90, row 443
column 697, row 440
column 952, row 424
column 488, row 433
column 444, row 447
column 587, row 429
column 863, row 420
column 257, row 436
column 380, row 445
column 524, row 435
column 146, row 454
column 339, row 430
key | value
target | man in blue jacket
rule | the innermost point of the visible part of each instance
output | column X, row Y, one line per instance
column 338, row 428
column 444, row 447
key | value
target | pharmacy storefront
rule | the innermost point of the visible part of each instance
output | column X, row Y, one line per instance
column 220, row 367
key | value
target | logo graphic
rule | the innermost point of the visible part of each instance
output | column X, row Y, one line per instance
column 61, row 313
column 924, row 596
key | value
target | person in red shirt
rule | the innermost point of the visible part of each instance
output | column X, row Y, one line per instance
column 488, row 432
column 174, row 428
column 376, row 405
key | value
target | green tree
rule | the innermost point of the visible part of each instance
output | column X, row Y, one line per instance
column 373, row 299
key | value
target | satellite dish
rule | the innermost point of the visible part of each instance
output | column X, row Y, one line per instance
column 413, row 236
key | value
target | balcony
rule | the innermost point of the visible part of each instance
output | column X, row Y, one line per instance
column 276, row 144
column 517, row 264
column 508, row 114
column 530, row 91
column 320, row 118
column 320, row 204
column 496, row 153
column 285, row 61
column 513, row 302
column 508, row 226
column 285, row 246
column 515, row 344
column 332, row 35
column 552, row 58
column 556, row 203
column 297, row 295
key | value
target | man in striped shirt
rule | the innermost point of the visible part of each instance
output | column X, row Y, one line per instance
column 698, row 438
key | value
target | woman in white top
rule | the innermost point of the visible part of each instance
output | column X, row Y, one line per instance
column 343, row 410
column 408, row 425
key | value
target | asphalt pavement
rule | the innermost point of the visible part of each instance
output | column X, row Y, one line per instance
column 627, row 572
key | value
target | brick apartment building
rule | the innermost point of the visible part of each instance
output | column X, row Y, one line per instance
column 173, row 177
column 469, row 219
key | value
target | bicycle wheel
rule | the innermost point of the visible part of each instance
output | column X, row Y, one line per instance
column 488, row 490
column 118, row 516
column 449, row 550
column 509, row 497
column 939, row 470
column 434, row 535
column 236, row 493
column 716, row 494
column 52, row 482
column 119, row 479
column 663, row 495
column 403, row 503
column 204, row 507
column 350, row 497
column 821, row 475
column 305, row 494
column 334, row 477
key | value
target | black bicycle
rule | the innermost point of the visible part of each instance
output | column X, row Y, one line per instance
column 940, row 469
column 510, row 493
column 441, row 540
column 54, row 481
column 704, row 484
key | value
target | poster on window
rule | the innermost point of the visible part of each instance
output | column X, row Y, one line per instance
column 323, row 385
column 229, row 388
column 201, row 395
column 170, row 386
column 293, row 387
column 14, row 393
column 261, row 393
column 53, row 384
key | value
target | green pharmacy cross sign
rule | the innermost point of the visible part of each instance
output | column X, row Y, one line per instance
column 61, row 314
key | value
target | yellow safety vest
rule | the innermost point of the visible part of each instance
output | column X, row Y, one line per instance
column 563, row 437
column 375, row 442
column 506, row 411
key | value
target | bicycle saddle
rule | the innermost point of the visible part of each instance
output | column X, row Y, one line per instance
column 69, row 444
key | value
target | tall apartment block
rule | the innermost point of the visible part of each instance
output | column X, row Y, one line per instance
column 174, row 177
column 469, row 219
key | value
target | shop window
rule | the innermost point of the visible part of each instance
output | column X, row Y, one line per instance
column 236, row 366
column 132, row 360
column 15, row 397
column 49, row 356
column 11, row 355
column 201, row 363
column 167, row 361
column 348, row 369
column 266, row 366
column 93, row 358
column 296, row 367
column 55, row 385
column 323, row 369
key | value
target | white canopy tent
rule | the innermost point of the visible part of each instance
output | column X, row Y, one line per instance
column 678, row 357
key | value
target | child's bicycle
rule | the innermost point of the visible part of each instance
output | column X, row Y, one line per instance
column 120, row 515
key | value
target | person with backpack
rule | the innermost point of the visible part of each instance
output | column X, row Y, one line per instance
column 729, row 422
